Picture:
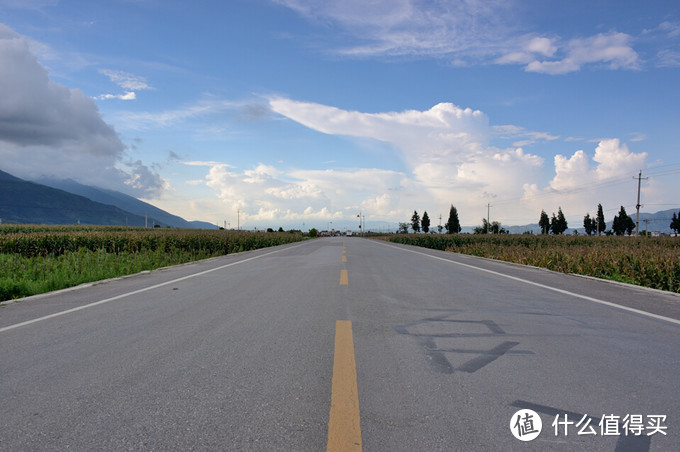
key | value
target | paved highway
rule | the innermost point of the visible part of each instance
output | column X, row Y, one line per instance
column 342, row 344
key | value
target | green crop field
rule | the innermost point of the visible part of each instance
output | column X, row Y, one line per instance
column 37, row 259
column 645, row 261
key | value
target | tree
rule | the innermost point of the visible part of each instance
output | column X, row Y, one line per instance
column 544, row 222
column 425, row 222
column 675, row 223
column 483, row 229
column 623, row 224
column 590, row 224
column 312, row 232
column 600, row 224
column 558, row 224
column 496, row 228
column 453, row 225
column 403, row 228
column 415, row 222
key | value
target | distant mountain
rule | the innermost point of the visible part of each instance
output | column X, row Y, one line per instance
column 659, row 221
column 27, row 202
column 124, row 202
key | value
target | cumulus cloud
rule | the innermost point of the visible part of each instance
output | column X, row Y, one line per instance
column 265, row 193
column 47, row 129
column 446, row 148
column 570, row 172
column 447, row 151
column 615, row 159
column 582, row 181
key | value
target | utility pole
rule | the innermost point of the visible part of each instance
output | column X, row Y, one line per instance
column 238, row 219
column 637, row 206
column 146, row 219
column 646, row 226
column 488, row 217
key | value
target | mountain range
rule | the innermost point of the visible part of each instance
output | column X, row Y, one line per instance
column 50, row 201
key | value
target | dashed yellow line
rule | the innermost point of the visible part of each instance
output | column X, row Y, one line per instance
column 344, row 429
column 344, row 258
column 343, row 278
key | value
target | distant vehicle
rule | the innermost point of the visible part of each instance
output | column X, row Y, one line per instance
column 348, row 233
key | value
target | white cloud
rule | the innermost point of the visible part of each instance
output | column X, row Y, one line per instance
column 570, row 172
column 47, row 129
column 407, row 27
column 446, row 148
column 443, row 130
column 127, row 96
column 615, row 159
column 542, row 46
column 266, row 193
column 612, row 50
column 581, row 181
column 612, row 161
column 524, row 137
column 464, row 33
column 126, row 80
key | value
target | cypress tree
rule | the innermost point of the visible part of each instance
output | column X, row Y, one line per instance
column 425, row 222
column 453, row 224
column 415, row 221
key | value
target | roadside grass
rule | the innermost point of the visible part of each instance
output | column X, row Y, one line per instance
column 645, row 261
column 47, row 259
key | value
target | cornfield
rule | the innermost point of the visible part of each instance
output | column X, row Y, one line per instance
column 644, row 261
column 36, row 259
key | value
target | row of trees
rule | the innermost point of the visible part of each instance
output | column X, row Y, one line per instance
column 557, row 224
column 417, row 224
column 622, row 224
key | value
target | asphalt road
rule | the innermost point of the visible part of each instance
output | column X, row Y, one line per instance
column 251, row 351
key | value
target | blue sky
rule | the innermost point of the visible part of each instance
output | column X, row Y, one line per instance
column 292, row 111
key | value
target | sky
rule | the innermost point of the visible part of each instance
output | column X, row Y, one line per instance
column 294, row 113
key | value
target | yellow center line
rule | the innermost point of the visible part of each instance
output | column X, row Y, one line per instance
column 344, row 258
column 344, row 430
column 343, row 278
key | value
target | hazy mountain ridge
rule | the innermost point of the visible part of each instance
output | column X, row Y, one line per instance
column 125, row 202
column 67, row 202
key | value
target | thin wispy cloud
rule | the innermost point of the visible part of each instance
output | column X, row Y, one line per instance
column 130, row 120
column 465, row 33
column 129, row 82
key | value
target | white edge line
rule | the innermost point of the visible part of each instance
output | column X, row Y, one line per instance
column 554, row 289
column 134, row 292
